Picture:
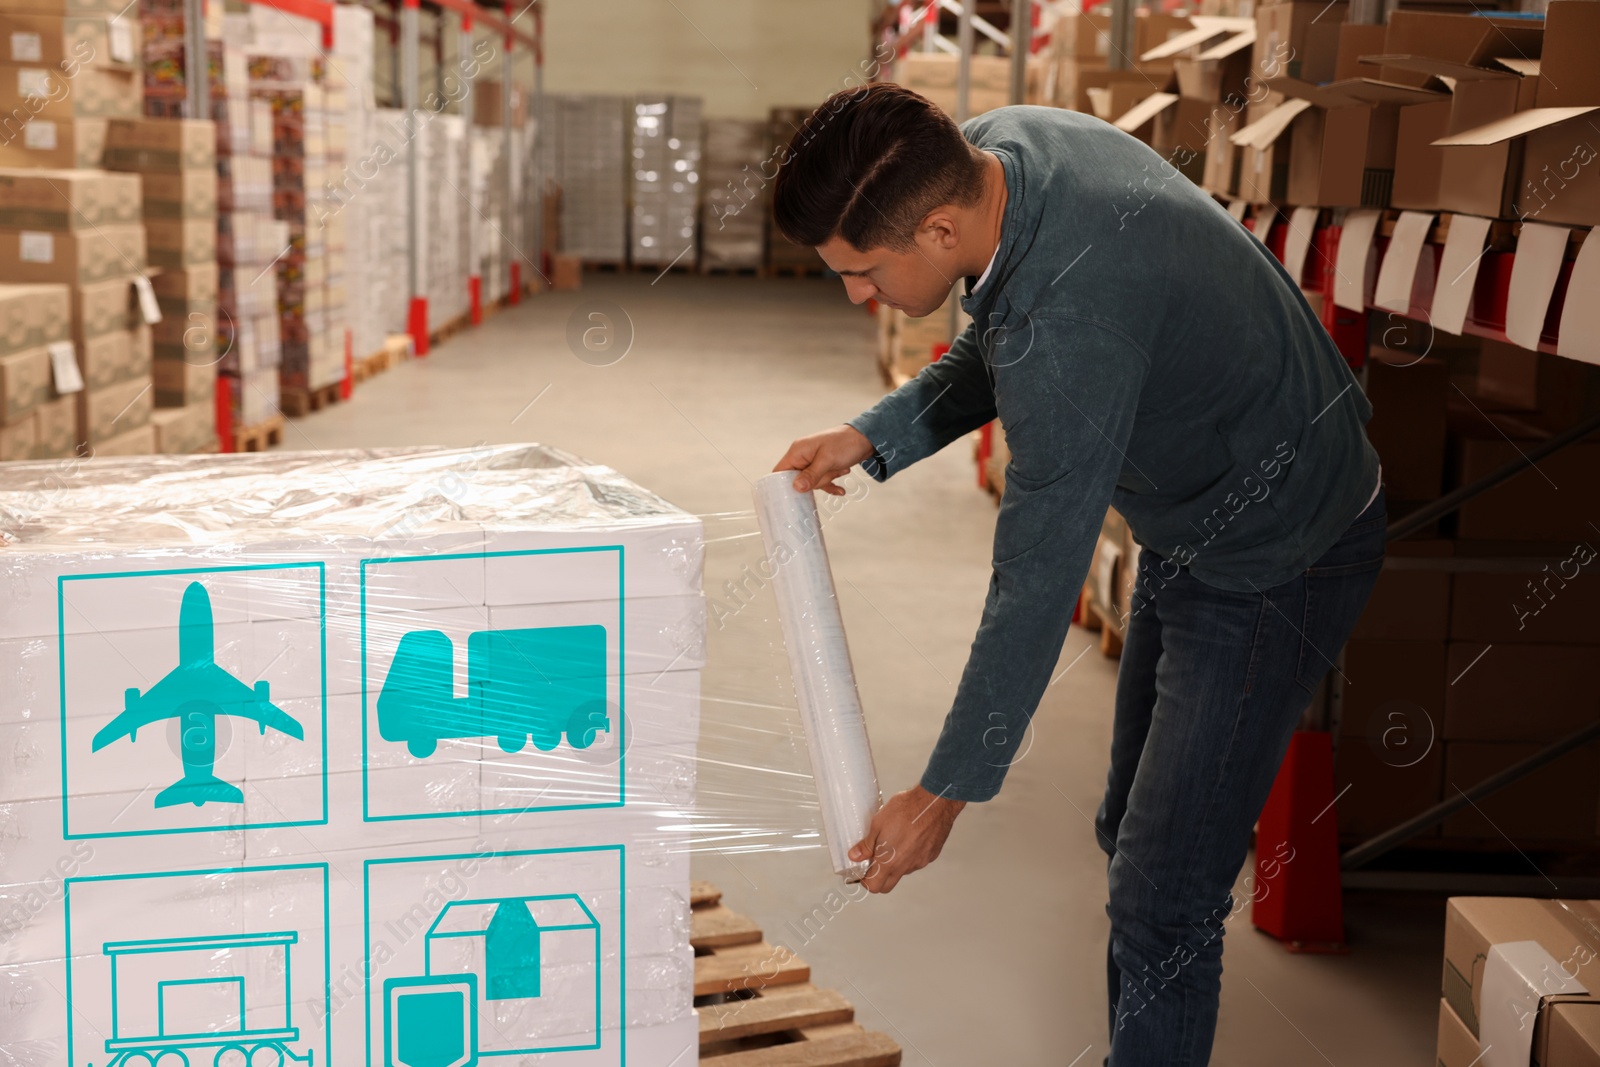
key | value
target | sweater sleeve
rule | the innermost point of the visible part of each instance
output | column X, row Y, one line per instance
column 1074, row 402
column 949, row 397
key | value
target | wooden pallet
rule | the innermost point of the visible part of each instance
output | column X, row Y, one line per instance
column 385, row 358
column 450, row 328
column 757, row 1005
column 297, row 403
column 260, row 437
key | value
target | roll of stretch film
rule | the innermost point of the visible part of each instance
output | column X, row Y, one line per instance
column 819, row 660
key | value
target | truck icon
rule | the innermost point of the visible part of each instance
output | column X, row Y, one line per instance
column 537, row 683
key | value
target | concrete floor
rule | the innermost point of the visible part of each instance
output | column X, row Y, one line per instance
column 994, row 954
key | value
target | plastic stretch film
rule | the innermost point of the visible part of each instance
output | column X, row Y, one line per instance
column 819, row 659
column 303, row 751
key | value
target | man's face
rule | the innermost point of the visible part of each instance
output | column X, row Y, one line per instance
column 915, row 281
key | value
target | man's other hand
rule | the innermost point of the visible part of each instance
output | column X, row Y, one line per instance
column 906, row 835
column 823, row 457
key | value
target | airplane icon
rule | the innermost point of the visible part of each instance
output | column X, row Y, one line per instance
column 195, row 693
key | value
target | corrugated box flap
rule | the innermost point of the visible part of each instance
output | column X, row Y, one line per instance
column 1448, row 68
column 1206, row 28
column 1268, row 128
column 1145, row 110
column 1518, row 125
column 1223, row 49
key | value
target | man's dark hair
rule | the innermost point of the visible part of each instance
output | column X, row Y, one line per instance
column 868, row 165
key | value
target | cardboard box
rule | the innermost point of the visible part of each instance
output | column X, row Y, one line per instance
column 187, row 429
column 75, row 258
column 1408, row 424
column 32, row 316
column 179, row 382
column 1457, row 1046
column 1418, row 162
column 47, row 93
column 1389, row 780
column 1389, row 685
column 19, row 439
column 67, row 199
column 1564, row 929
column 182, row 242
column 26, row 141
column 566, row 273
column 114, row 357
column 1341, row 139
column 1552, row 502
column 1557, row 802
column 1298, row 40
column 161, row 144
column 25, row 383
column 1411, row 600
column 58, row 432
column 181, row 194
column 184, row 288
column 103, row 307
column 1472, row 39
column 116, row 409
column 90, row 8
column 1528, row 601
column 1356, row 41
column 1571, row 1035
column 51, row 40
column 1513, row 692
column 136, row 442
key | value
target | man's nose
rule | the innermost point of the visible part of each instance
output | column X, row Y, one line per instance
column 859, row 290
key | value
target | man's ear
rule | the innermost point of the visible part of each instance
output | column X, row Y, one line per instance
column 939, row 226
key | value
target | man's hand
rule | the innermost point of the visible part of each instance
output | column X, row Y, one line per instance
column 906, row 835
column 825, row 456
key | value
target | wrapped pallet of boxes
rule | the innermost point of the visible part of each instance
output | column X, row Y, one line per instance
column 584, row 142
column 82, row 229
column 35, row 325
column 177, row 164
column 734, row 192
column 666, row 180
column 1519, row 982
column 354, row 206
column 368, row 861
column 66, row 69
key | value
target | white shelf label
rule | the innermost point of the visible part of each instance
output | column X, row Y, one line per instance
column 64, row 368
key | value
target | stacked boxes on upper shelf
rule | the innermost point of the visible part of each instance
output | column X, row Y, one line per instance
column 176, row 160
column 36, row 422
column 736, row 171
column 1076, row 67
column 68, row 67
column 82, row 229
column 666, row 179
column 351, row 200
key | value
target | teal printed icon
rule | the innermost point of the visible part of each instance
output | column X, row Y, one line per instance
column 537, row 683
column 203, row 1019
column 430, row 1021
column 194, row 693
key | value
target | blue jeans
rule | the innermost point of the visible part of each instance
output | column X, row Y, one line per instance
column 1211, row 686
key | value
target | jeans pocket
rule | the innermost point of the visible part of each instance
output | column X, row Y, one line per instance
column 1334, row 600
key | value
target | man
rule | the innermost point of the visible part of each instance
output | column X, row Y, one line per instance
column 1140, row 350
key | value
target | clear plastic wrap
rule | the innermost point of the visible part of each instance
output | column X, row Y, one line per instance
column 300, row 752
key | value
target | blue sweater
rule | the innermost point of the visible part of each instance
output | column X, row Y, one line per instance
column 1141, row 350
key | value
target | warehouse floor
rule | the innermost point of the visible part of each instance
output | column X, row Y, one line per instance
column 994, row 954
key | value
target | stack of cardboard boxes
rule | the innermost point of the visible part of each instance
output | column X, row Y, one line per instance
column 782, row 254
column 1518, row 975
column 584, row 140
column 734, row 191
column 68, row 66
column 1077, row 66
column 82, row 229
column 176, row 163
column 36, row 421
column 906, row 345
column 1473, row 652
